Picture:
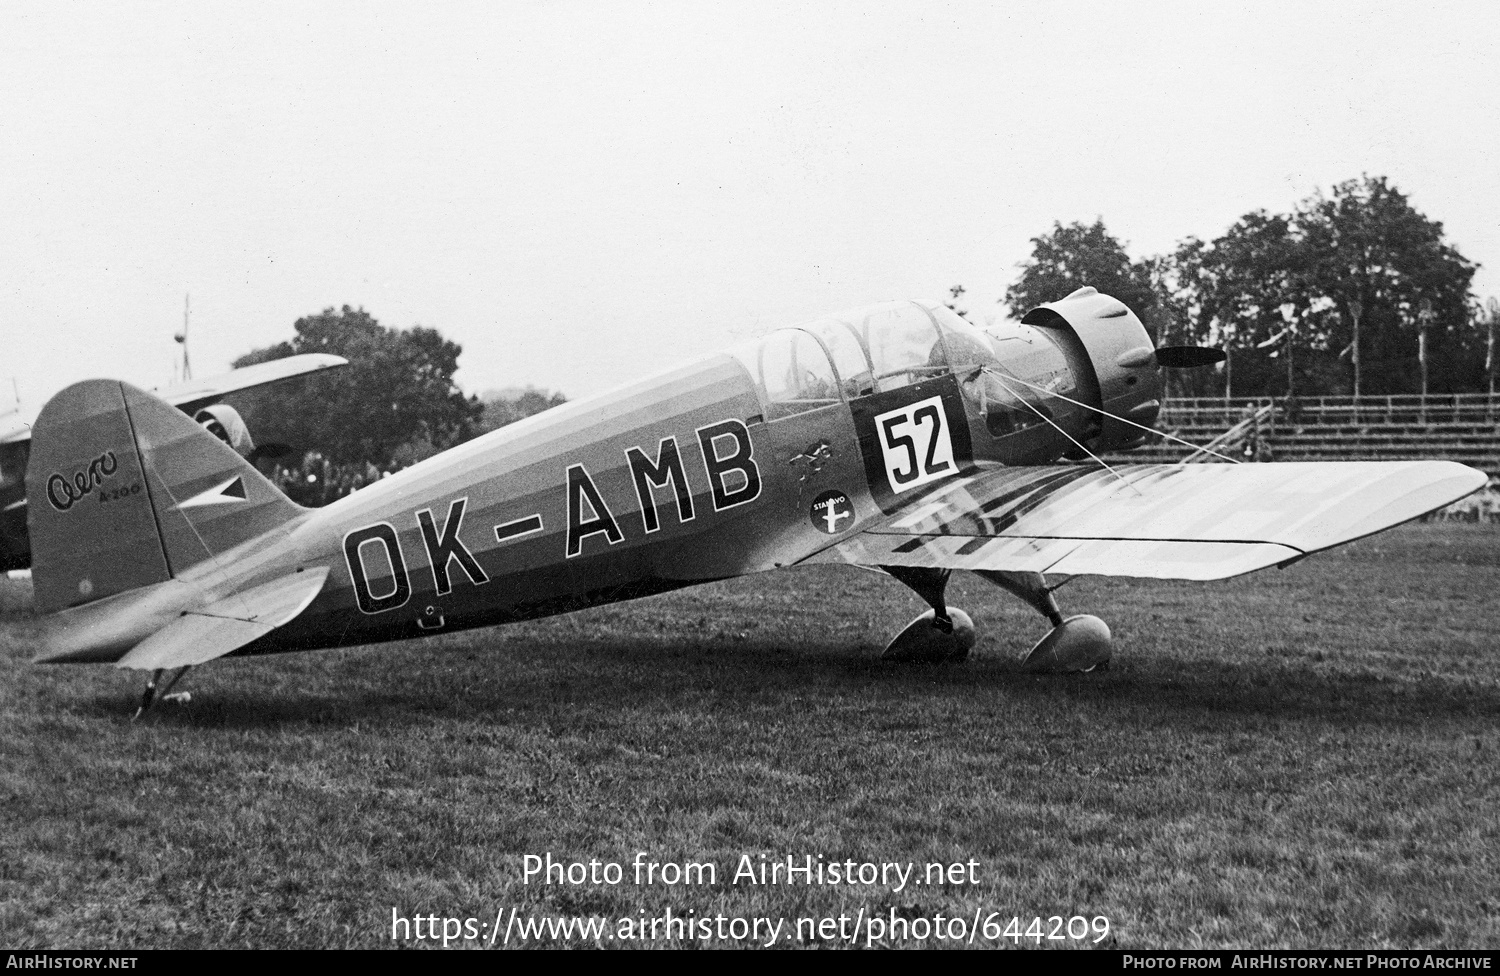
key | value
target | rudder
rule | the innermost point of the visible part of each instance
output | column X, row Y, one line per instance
column 123, row 490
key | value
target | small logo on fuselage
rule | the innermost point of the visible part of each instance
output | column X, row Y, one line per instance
column 829, row 510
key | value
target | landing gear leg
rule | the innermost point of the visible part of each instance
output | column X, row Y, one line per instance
column 151, row 693
column 1077, row 643
column 941, row 634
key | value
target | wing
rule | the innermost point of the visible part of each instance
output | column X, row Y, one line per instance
column 12, row 428
column 1196, row 522
column 192, row 394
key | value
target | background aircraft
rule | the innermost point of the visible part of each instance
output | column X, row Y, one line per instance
column 898, row 437
column 197, row 397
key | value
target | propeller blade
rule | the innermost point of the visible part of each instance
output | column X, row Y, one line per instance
column 1186, row 357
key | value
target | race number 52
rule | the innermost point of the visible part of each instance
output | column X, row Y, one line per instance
column 915, row 444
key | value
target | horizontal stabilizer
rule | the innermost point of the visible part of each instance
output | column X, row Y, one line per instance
column 1158, row 521
column 228, row 624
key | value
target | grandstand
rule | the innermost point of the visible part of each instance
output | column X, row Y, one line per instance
column 1461, row 427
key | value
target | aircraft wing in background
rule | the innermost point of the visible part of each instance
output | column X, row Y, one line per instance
column 189, row 395
column 13, row 429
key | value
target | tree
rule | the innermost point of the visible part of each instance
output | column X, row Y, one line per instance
column 1366, row 243
column 397, row 390
column 502, row 407
column 1276, row 292
column 1181, row 281
column 952, row 306
column 1074, row 256
column 1491, row 323
column 1247, row 293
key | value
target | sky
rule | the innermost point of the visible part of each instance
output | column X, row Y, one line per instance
column 580, row 193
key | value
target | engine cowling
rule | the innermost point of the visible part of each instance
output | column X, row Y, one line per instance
column 225, row 423
column 1113, row 359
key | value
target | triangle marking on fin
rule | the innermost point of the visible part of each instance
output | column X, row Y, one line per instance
column 227, row 493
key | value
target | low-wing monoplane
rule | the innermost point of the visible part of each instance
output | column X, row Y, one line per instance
column 899, row 437
column 197, row 397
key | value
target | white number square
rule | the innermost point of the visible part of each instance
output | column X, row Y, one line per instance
column 915, row 444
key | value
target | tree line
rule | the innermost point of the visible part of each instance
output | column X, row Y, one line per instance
column 1282, row 293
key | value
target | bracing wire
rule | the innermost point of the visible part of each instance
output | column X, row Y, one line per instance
column 1105, row 413
column 1032, row 407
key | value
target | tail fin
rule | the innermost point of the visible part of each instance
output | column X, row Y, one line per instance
column 123, row 490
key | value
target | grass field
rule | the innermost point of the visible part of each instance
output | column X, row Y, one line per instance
column 1297, row 758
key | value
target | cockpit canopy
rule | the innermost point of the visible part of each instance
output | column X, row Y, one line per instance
column 853, row 354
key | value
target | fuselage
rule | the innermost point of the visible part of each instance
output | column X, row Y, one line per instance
column 15, row 447
column 744, row 461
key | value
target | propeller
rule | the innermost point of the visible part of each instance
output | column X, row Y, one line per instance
column 1187, row 357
